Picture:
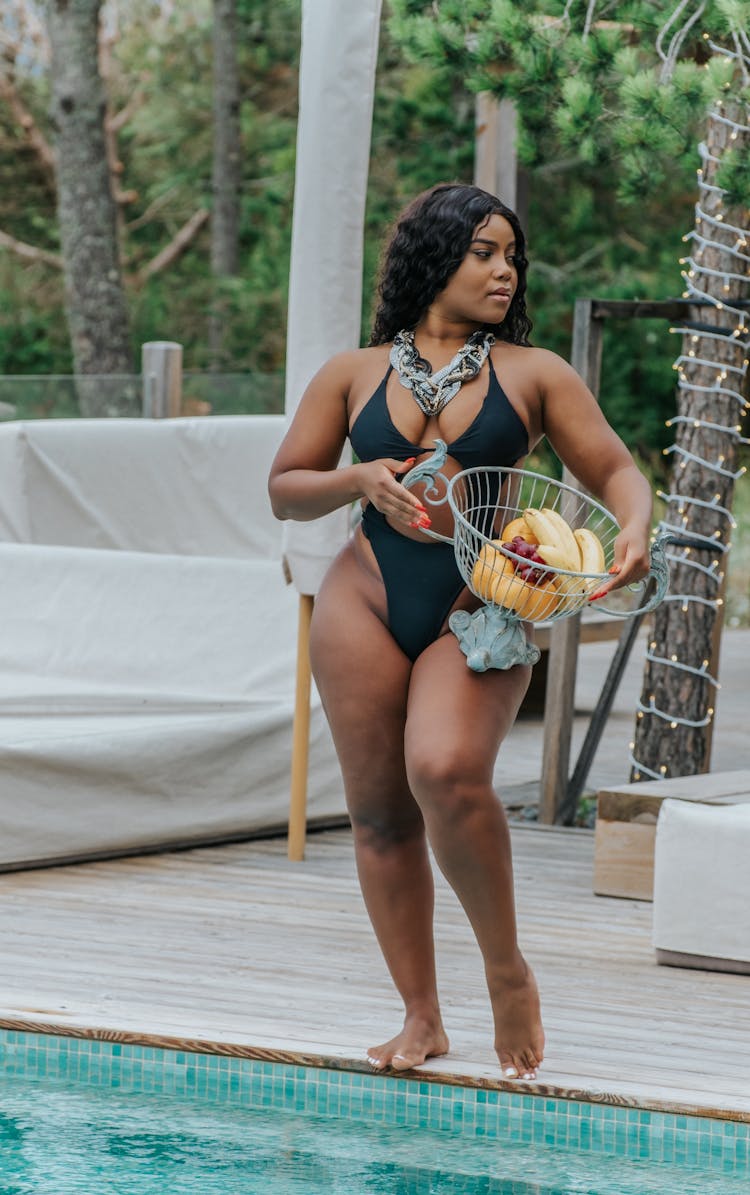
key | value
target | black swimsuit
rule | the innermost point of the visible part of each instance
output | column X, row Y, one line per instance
column 421, row 578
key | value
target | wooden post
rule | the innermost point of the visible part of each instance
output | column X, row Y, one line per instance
column 495, row 156
column 161, row 369
column 300, row 735
column 559, row 706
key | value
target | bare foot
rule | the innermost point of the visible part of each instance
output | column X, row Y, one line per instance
column 519, row 1036
column 421, row 1038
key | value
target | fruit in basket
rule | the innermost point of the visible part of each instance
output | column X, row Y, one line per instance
column 518, row 527
column 553, row 555
column 592, row 552
column 550, row 528
column 525, row 587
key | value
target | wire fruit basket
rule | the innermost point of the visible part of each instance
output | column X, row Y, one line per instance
column 532, row 549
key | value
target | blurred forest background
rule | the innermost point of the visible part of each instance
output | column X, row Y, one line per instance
column 583, row 240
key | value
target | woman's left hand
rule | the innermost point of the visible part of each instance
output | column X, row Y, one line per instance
column 632, row 560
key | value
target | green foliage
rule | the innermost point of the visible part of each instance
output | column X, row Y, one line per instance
column 577, row 87
column 734, row 176
column 582, row 240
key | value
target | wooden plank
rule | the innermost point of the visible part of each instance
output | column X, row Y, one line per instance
column 626, row 826
column 702, row 787
column 669, row 309
column 590, row 630
column 624, row 859
column 235, row 948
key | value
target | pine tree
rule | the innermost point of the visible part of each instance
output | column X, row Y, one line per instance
column 95, row 299
column 646, row 89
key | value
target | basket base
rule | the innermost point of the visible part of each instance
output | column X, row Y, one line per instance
column 492, row 637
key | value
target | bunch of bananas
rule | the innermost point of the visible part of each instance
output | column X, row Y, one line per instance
column 539, row 538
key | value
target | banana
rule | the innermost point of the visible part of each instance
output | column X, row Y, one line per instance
column 592, row 552
column 541, row 526
column 518, row 527
column 488, row 572
column 574, row 592
column 494, row 580
column 553, row 555
column 548, row 531
column 566, row 537
column 536, row 602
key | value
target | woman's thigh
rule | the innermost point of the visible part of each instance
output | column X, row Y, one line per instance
column 363, row 679
column 457, row 718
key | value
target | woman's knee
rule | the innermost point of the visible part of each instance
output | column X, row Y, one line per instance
column 448, row 782
column 379, row 828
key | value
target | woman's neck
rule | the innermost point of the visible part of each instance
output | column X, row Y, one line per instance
column 442, row 330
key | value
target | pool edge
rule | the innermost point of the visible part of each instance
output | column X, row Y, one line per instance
column 538, row 1089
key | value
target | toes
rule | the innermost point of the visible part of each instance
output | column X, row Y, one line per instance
column 509, row 1065
column 521, row 1066
column 400, row 1062
column 377, row 1064
column 529, row 1065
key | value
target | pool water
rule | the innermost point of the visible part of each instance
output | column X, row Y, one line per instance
column 64, row 1138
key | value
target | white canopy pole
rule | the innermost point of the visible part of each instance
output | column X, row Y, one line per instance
column 336, row 90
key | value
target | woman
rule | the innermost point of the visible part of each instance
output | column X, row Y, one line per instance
column 416, row 731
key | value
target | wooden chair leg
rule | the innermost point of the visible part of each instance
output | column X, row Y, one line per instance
column 300, row 736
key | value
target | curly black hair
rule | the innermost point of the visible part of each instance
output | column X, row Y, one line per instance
column 430, row 240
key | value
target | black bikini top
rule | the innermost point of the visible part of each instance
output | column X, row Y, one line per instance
column 495, row 437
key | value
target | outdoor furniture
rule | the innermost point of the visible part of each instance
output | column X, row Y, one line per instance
column 148, row 664
column 702, row 886
column 626, row 821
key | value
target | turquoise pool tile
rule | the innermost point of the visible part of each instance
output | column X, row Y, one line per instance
column 715, row 1146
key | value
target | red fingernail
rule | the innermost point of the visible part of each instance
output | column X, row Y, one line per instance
column 615, row 569
column 595, row 596
column 421, row 507
column 410, row 461
column 425, row 521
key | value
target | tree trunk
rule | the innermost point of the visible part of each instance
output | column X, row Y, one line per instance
column 95, row 301
column 674, row 721
column 225, row 217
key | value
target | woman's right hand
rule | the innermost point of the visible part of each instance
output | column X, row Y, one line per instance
column 377, row 480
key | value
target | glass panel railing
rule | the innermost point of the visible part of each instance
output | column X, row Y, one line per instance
column 62, row 396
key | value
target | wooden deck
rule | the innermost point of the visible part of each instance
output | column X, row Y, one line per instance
column 239, row 949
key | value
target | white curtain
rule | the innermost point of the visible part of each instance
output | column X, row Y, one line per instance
column 337, row 73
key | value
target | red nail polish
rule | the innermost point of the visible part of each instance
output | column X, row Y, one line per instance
column 595, row 596
column 410, row 461
column 616, row 569
column 424, row 521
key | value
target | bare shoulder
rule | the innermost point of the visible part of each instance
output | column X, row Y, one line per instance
column 345, row 367
column 536, row 362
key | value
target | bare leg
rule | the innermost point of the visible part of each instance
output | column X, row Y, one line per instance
column 456, row 722
column 363, row 678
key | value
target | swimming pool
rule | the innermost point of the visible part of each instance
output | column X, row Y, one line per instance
column 83, row 1116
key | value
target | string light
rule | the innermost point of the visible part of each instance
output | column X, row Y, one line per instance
column 716, row 466
column 711, row 232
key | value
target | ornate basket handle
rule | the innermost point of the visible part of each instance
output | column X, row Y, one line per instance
column 658, row 574
column 429, row 471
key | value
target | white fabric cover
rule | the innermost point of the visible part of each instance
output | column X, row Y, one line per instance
column 325, row 280
column 194, row 487
column 147, row 671
column 702, row 880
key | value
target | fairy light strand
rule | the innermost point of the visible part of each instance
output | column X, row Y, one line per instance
column 728, row 384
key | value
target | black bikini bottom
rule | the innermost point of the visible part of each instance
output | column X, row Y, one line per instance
column 421, row 581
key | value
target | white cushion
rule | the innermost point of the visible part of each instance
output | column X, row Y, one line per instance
column 702, row 881
column 195, row 487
